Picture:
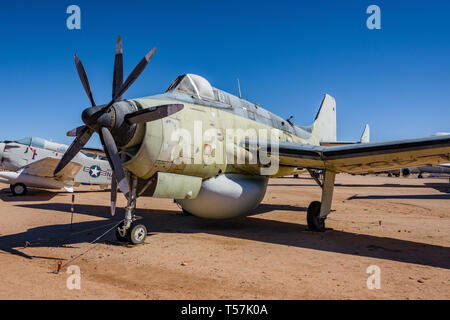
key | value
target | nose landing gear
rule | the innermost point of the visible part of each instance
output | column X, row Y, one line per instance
column 129, row 230
column 136, row 233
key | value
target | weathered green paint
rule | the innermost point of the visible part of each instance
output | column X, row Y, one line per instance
column 176, row 186
column 155, row 152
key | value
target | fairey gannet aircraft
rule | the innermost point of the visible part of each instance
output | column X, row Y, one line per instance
column 213, row 152
column 31, row 161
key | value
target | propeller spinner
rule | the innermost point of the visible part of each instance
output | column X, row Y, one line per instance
column 112, row 119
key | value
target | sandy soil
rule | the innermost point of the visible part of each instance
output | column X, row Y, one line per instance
column 401, row 225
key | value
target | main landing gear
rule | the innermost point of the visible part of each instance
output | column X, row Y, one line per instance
column 18, row 189
column 130, row 230
column 318, row 211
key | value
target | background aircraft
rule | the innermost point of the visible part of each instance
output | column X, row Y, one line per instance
column 137, row 136
column 443, row 168
column 31, row 162
column 438, row 170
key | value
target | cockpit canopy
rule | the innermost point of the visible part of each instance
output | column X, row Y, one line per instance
column 194, row 85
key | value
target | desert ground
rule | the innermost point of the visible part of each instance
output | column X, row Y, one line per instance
column 401, row 225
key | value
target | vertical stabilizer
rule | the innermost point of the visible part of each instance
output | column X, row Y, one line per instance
column 365, row 137
column 324, row 126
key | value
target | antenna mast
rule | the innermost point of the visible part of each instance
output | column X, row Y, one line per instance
column 239, row 88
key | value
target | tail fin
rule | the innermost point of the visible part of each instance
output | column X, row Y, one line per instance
column 365, row 137
column 324, row 126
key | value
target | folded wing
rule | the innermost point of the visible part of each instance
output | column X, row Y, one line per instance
column 364, row 157
column 46, row 166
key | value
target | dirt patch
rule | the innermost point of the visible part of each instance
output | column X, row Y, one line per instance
column 401, row 225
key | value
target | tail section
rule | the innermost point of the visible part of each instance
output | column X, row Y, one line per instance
column 324, row 126
column 365, row 137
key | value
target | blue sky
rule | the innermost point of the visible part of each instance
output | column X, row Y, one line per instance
column 287, row 54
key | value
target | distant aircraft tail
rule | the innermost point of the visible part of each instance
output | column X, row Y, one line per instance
column 365, row 137
column 324, row 125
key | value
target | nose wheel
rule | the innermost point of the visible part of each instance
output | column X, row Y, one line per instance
column 135, row 234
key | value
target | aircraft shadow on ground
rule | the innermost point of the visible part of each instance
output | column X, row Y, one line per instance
column 438, row 186
column 32, row 195
column 248, row 228
column 38, row 195
column 405, row 196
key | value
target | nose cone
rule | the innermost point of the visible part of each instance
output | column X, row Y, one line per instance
column 95, row 117
column 89, row 116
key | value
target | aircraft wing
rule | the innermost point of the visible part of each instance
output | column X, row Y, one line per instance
column 96, row 151
column 364, row 157
column 46, row 166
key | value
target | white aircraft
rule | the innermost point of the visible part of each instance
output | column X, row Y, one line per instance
column 30, row 163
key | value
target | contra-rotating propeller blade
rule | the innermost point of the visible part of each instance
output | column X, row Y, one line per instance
column 155, row 113
column 113, row 194
column 74, row 148
column 118, row 70
column 83, row 78
column 131, row 78
column 101, row 120
column 75, row 132
column 113, row 156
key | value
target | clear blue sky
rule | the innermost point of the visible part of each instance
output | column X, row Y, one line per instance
column 286, row 54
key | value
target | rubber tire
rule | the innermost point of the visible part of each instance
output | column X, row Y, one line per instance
column 15, row 192
column 132, row 235
column 315, row 223
column 118, row 236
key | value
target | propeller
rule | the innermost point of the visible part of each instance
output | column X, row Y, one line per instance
column 113, row 194
column 84, row 79
column 114, row 122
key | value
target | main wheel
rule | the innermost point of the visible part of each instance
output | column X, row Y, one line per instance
column 19, row 189
column 315, row 222
column 137, row 233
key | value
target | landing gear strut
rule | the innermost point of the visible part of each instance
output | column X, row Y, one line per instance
column 129, row 230
column 135, row 234
column 318, row 211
